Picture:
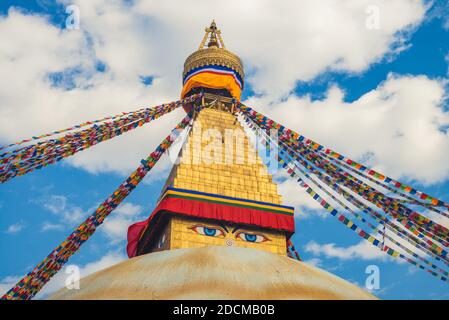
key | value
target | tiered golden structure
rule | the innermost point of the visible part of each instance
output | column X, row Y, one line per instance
column 244, row 177
column 215, row 161
column 218, row 159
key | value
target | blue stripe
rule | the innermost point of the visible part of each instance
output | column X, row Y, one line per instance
column 213, row 67
column 230, row 198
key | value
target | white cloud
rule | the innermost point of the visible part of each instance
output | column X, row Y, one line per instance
column 294, row 195
column 438, row 218
column 7, row 283
column 15, row 228
column 129, row 210
column 412, row 270
column 56, row 204
column 281, row 44
column 399, row 128
column 68, row 213
column 314, row 262
column 48, row 226
column 290, row 41
column 116, row 226
column 440, row 10
column 363, row 250
column 59, row 280
column 96, row 94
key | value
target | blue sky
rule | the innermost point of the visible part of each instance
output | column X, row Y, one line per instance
column 40, row 209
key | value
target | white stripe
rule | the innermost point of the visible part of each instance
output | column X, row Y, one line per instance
column 217, row 71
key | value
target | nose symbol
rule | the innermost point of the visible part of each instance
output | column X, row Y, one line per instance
column 229, row 242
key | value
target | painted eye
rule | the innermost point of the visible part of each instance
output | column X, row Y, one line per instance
column 251, row 237
column 208, row 231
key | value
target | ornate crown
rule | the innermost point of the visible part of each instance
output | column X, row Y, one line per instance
column 214, row 53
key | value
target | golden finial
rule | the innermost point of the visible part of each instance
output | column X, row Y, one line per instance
column 214, row 36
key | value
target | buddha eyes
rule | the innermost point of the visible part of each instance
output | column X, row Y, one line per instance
column 208, row 231
column 251, row 237
column 219, row 232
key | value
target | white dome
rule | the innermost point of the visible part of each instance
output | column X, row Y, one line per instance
column 213, row 273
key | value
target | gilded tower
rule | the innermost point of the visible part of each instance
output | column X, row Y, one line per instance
column 219, row 193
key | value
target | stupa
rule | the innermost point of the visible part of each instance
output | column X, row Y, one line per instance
column 219, row 229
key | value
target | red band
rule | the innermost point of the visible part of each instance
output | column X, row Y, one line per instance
column 207, row 210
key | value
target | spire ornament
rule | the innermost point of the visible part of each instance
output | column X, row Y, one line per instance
column 213, row 56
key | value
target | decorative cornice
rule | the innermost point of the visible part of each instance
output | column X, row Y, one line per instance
column 213, row 56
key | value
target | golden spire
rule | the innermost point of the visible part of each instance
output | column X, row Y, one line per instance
column 214, row 36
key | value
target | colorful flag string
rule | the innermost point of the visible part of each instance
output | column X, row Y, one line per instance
column 409, row 237
column 292, row 249
column 335, row 187
column 407, row 217
column 331, row 174
column 79, row 126
column 413, row 221
column 409, row 199
column 402, row 213
column 359, row 231
column 350, row 224
column 382, row 220
column 30, row 285
column 43, row 153
column 357, row 166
